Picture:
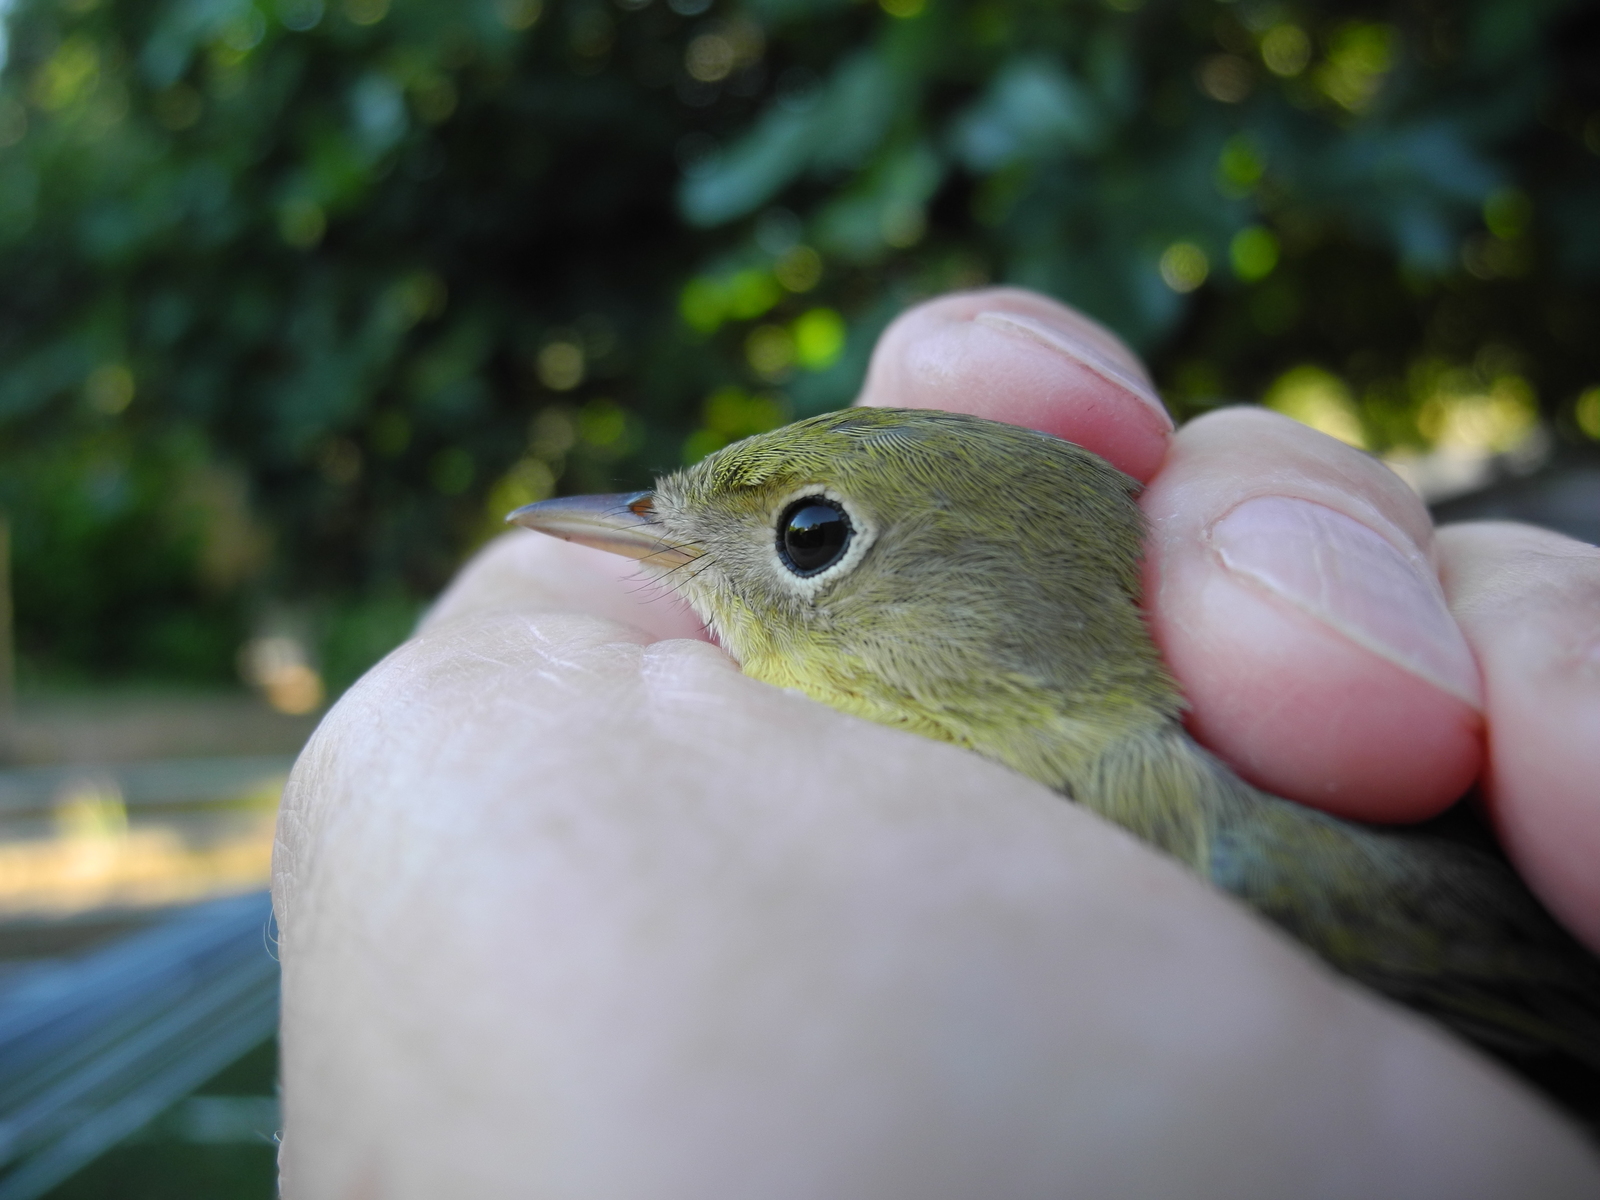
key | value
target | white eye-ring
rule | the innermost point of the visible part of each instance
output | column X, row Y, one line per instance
column 818, row 536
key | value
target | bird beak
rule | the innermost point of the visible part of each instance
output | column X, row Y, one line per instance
column 623, row 523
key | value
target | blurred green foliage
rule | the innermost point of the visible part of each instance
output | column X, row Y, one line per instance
column 302, row 296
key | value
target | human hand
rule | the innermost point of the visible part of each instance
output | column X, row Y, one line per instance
column 570, row 907
column 1294, row 586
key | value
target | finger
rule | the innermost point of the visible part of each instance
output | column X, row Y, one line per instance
column 1529, row 602
column 1290, row 587
column 544, row 936
column 526, row 572
column 1016, row 356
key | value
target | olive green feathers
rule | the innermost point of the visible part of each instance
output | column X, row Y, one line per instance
column 978, row 583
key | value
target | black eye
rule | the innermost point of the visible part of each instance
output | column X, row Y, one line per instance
column 812, row 535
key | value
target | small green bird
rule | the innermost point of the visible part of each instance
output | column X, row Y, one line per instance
column 978, row 583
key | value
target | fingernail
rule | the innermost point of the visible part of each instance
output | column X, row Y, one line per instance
column 1354, row 580
column 1076, row 348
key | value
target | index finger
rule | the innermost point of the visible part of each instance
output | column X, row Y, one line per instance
column 1022, row 358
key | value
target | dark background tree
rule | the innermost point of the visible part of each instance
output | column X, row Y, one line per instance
column 299, row 299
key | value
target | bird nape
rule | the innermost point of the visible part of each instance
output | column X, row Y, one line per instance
column 978, row 583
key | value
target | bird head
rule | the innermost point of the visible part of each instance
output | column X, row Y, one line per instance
column 970, row 580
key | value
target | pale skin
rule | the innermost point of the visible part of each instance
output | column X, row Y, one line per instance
column 570, row 908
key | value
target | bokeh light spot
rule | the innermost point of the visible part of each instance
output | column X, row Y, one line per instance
column 1587, row 413
column 109, row 388
column 709, row 58
column 1240, row 166
column 749, row 294
column 603, row 423
column 1184, row 266
column 798, row 269
column 1253, row 253
column 1225, row 77
column 1286, row 50
column 67, row 75
column 1360, row 55
column 1507, row 213
column 902, row 225
column 528, row 481
column 340, row 462
column 819, row 337
column 300, row 15
column 1320, row 399
column 770, row 351
column 1459, row 413
column 366, row 12
column 518, row 15
column 731, row 413
column 561, row 366
column 434, row 97
column 280, row 667
column 301, row 223
column 552, row 433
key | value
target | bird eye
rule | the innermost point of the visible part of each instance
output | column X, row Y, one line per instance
column 813, row 534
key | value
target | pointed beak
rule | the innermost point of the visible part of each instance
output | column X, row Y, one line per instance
column 624, row 523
